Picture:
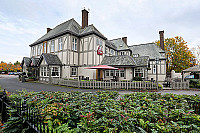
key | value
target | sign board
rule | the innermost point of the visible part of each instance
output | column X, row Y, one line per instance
column 99, row 50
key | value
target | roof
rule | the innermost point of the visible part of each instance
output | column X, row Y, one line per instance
column 193, row 69
column 119, row 44
column 27, row 61
column 148, row 49
column 120, row 60
column 30, row 61
column 141, row 61
column 110, row 44
column 70, row 26
column 91, row 29
column 34, row 61
column 50, row 59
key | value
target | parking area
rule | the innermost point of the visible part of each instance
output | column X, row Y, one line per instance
column 12, row 84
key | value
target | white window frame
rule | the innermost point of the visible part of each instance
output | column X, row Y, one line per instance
column 112, row 52
column 60, row 43
column 55, row 71
column 122, row 72
column 44, row 47
column 74, row 71
column 74, row 44
column 106, row 51
column 52, row 45
column 44, row 71
column 122, row 53
column 139, row 71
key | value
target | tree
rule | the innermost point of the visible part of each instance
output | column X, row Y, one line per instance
column 178, row 55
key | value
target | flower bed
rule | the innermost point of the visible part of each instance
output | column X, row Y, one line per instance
column 103, row 111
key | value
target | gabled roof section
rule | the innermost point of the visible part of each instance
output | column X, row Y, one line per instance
column 120, row 60
column 110, row 45
column 50, row 59
column 148, row 49
column 119, row 43
column 70, row 26
column 26, row 61
column 91, row 29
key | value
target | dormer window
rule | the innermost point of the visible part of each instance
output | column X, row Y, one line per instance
column 120, row 45
column 135, row 55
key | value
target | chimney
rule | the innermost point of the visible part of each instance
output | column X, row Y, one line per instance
column 84, row 18
column 162, row 39
column 48, row 29
column 124, row 39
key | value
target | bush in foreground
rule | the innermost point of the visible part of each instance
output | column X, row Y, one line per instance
column 103, row 111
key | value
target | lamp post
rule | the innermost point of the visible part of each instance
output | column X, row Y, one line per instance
column 156, row 61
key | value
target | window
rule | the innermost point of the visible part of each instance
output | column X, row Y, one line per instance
column 55, row 71
column 117, row 73
column 122, row 53
column 154, row 69
column 74, row 71
column 45, row 47
column 60, row 43
column 107, row 73
column 74, row 44
column 121, row 73
column 139, row 72
column 106, row 51
column 112, row 52
column 112, row 72
column 135, row 55
column 52, row 46
column 38, row 50
column 33, row 51
column 44, row 71
column 99, row 42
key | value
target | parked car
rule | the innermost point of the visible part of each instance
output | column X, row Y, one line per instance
column 189, row 77
column 3, row 72
column 11, row 73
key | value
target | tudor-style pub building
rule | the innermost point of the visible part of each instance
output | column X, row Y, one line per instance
column 66, row 50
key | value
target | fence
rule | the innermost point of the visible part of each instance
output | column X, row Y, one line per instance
column 28, row 116
column 93, row 84
column 180, row 85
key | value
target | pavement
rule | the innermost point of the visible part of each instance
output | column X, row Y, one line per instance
column 12, row 84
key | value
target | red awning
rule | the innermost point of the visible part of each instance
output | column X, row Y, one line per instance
column 102, row 67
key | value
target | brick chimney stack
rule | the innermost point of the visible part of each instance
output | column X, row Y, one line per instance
column 48, row 29
column 124, row 39
column 162, row 39
column 84, row 18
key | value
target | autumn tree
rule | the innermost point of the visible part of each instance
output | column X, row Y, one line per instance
column 10, row 67
column 178, row 55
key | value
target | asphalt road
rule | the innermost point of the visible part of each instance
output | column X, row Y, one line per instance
column 11, row 84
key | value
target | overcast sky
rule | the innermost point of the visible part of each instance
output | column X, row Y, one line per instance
column 24, row 21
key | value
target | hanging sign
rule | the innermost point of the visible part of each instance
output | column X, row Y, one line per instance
column 99, row 50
